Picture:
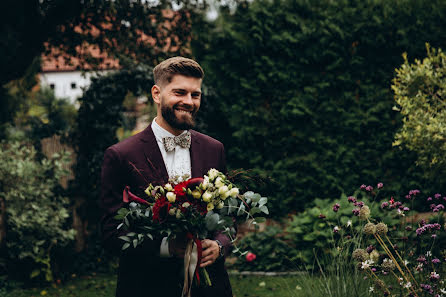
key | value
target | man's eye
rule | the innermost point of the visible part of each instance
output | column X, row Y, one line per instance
column 196, row 95
column 180, row 93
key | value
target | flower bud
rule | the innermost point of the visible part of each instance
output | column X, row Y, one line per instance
column 185, row 204
column 168, row 187
column 210, row 206
column 206, row 196
column 374, row 255
column 369, row 229
column 171, row 197
column 234, row 192
column 196, row 194
column 220, row 205
column 360, row 255
column 172, row 211
column 219, row 182
column 178, row 214
column 222, row 190
column 381, row 229
column 364, row 212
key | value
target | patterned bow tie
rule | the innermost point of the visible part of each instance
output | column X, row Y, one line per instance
column 182, row 140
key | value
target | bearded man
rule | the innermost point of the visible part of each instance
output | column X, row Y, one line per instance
column 167, row 148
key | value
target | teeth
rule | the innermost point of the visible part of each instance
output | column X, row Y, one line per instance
column 184, row 111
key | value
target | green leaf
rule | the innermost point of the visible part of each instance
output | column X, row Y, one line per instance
column 264, row 209
column 34, row 273
column 125, row 246
column 125, row 238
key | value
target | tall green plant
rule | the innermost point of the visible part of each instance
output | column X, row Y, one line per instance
column 36, row 214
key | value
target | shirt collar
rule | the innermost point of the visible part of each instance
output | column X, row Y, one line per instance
column 160, row 132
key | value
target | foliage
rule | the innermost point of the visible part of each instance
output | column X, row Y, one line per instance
column 304, row 96
column 99, row 117
column 273, row 252
column 420, row 94
column 36, row 213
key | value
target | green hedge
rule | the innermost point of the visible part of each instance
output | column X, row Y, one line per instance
column 300, row 91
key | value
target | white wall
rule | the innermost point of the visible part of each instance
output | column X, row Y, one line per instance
column 67, row 84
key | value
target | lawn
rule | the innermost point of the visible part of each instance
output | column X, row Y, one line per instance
column 103, row 285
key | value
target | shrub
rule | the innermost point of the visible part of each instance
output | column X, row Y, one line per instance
column 36, row 214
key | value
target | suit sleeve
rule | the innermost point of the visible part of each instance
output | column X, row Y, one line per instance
column 223, row 238
column 113, row 182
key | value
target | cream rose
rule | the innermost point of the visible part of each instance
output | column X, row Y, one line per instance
column 171, row 197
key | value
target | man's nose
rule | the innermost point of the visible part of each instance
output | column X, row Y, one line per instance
column 187, row 99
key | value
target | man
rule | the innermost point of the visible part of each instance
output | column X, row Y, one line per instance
column 155, row 267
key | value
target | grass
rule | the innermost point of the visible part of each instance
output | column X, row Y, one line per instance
column 243, row 286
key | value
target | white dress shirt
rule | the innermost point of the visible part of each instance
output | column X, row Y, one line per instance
column 177, row 164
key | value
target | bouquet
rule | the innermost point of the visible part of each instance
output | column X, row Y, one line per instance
column 196, row 207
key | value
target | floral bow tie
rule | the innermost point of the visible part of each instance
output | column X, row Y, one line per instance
column 182, row 140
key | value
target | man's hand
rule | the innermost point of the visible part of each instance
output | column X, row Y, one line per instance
column 211, row 252
column 177, row 246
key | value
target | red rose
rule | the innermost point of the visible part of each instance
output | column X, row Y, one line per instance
column 250, row 257
column 161, row 210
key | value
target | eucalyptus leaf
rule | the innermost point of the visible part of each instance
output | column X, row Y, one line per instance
column 125, row 246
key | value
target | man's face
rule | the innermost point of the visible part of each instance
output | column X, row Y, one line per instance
column 178, row 101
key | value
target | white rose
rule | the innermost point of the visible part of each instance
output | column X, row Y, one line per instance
column 172, row 211
column 234, row 192
column 206, row 196
column 225, row 195
column 205, row 183
column 212, row 173
column 186, row 204
column 220, row 205
column 222, row 190
column 171, row 197
column 210, row 206
column 219, row 182
column 168, row 187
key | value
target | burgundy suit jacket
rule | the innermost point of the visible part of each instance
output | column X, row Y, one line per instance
column 136, row 162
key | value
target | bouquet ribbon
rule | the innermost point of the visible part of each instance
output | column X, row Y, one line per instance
column 192, row 259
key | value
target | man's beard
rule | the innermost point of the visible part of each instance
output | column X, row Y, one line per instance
column 183, row 123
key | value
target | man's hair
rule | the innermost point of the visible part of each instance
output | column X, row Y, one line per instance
column 165, row 71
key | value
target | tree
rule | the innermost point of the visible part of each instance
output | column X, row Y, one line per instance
column 420, row 93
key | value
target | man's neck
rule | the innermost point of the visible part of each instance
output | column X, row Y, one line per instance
column 163, row 124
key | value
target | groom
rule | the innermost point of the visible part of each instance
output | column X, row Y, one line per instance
column 166, row 148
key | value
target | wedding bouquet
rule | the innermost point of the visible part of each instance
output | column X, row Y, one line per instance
column 197, row 207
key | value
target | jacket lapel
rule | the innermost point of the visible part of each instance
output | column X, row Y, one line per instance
column 153, row 157
column 195, row 147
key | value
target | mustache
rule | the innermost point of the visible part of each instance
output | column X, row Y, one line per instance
column 189, row 108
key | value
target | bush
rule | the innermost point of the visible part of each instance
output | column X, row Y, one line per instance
column 36, row 214
column 304, row 95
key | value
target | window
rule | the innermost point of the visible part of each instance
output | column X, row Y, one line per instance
column 73, row 85
column 52, row 86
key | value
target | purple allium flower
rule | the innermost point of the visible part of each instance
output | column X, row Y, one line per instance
column 321, row 216
column 384, row 204
column 370, row 248
column 437, row 196
column 380, row 185
column 429, row 198
column 369, row 188
column 436, row 261
column 351, row 199
column 362, row 187
column 336, row 207
column 444, row 198
column 356, row 211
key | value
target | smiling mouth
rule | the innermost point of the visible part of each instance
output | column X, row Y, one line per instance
column 182, row 111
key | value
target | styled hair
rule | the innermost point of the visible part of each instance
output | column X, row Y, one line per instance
column 166, row 70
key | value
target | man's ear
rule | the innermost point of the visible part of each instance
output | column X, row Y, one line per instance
column 156, row 91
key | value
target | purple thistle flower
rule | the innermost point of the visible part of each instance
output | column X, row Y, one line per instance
column 425, row 287
column 436, row 261
column 336, row 207
column 370, row 248
column 356, row 211
column 380, row 185
column 359, row 204
column 362, row 187
column 384, row 204
column 437, row 196
column 408, row 197
column 369, row 188
column 351, row 199
column 432, row 206
column 440, row 206
column 434, row 276
column 429, row 198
